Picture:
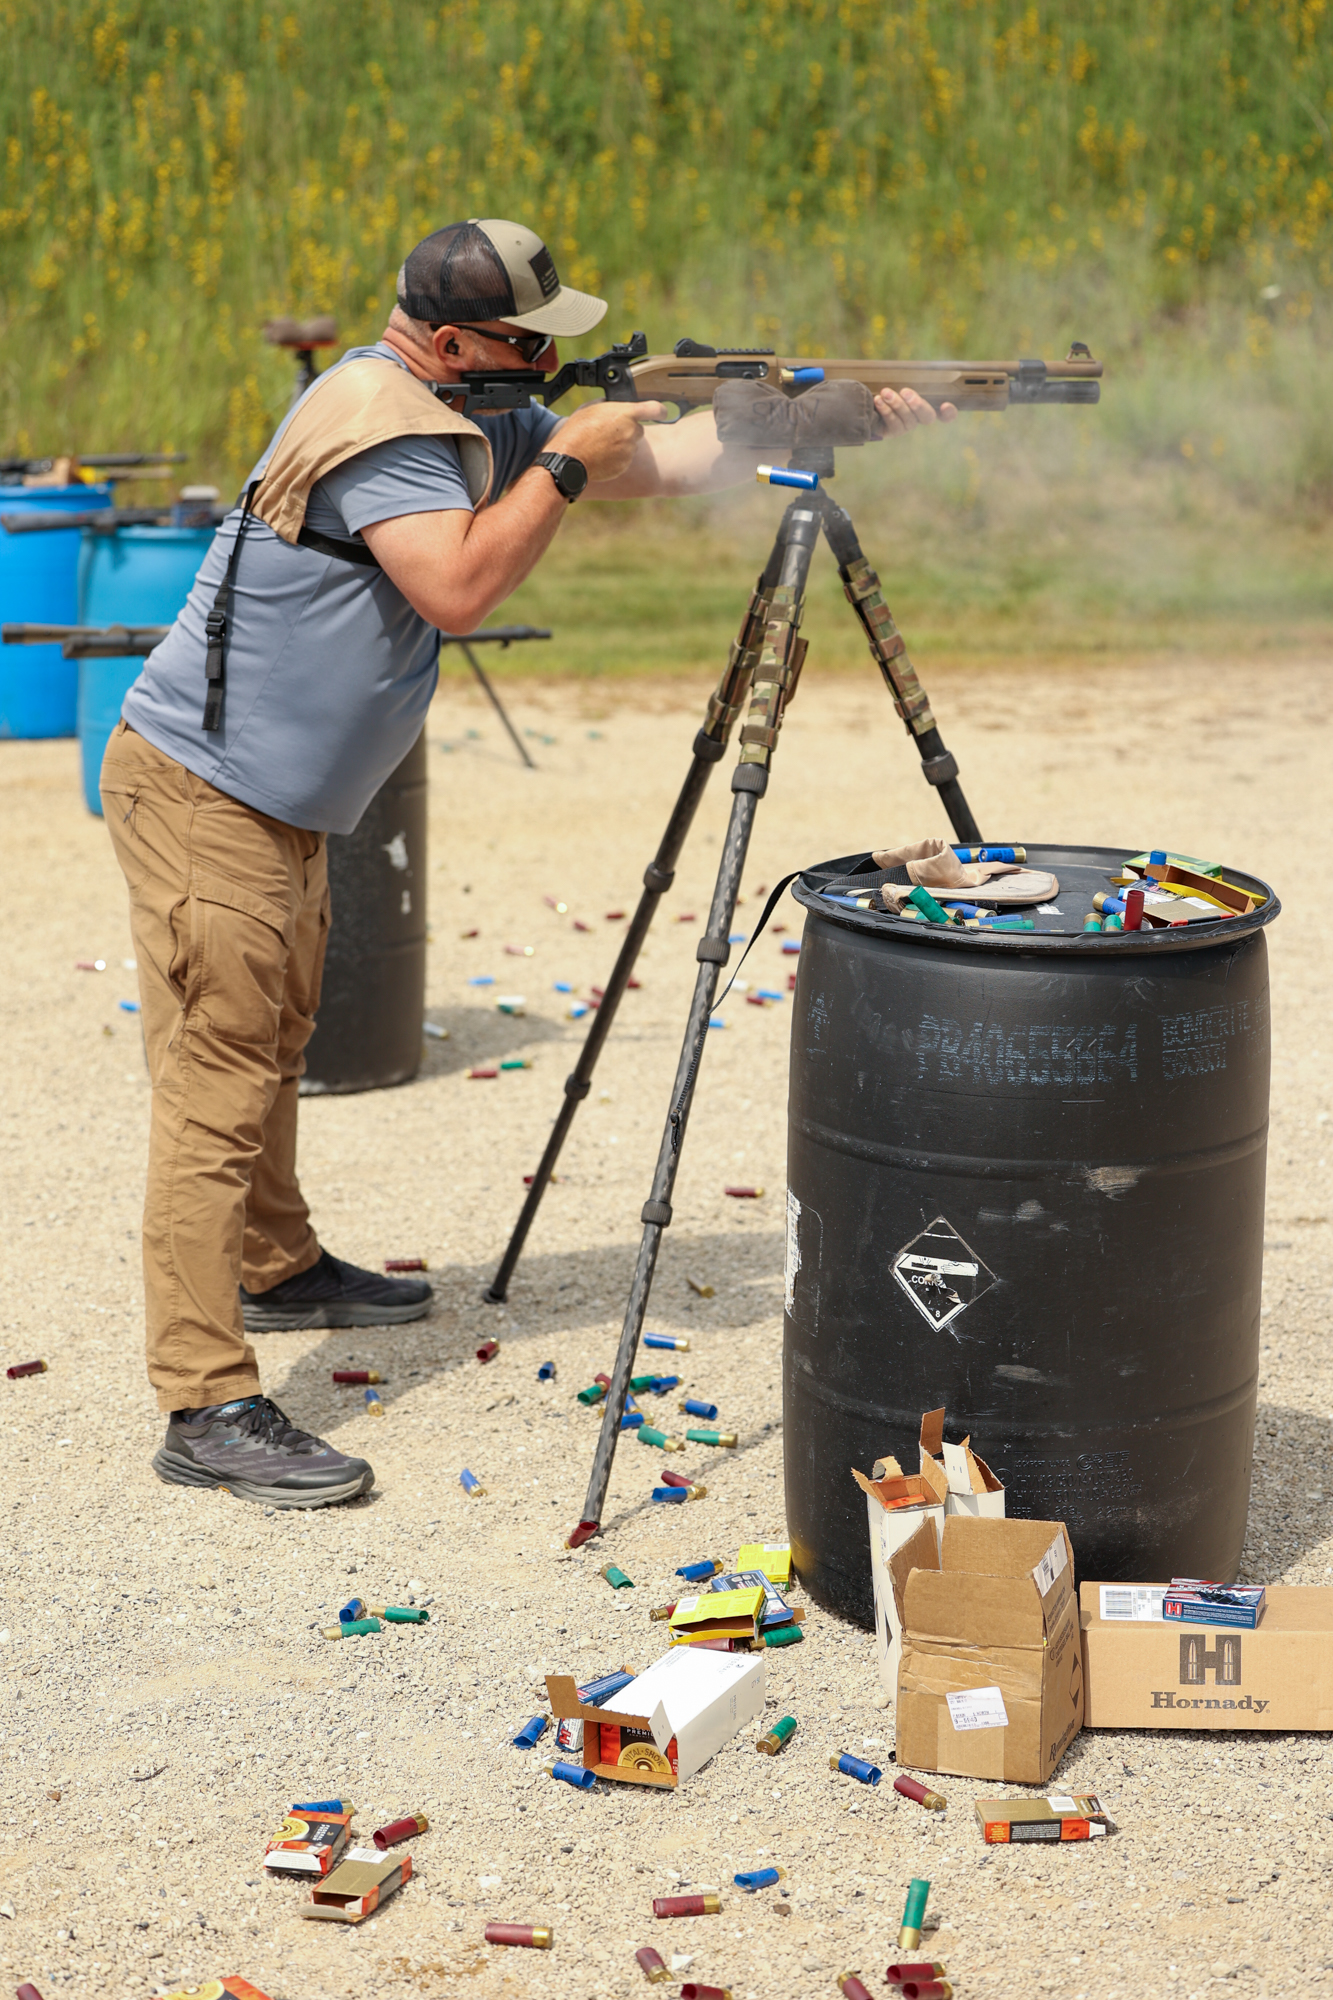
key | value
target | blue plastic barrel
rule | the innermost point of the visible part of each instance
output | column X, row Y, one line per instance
column 137, row 576
column 39, row 586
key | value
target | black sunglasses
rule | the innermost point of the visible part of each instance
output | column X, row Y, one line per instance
column 531, row 346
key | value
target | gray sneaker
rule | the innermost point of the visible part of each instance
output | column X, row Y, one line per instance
column 332, row 1293
column 249, row 1448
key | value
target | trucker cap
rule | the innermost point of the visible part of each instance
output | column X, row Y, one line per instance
column 492, row 270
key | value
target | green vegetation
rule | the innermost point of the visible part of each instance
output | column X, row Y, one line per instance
column 900, row 176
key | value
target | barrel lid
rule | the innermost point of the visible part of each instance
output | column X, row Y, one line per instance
column 1081, row 871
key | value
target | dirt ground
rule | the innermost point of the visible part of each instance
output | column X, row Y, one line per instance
column 166, row 1691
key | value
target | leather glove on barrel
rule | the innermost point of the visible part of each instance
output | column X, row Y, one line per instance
column 764, row 418
column 934, row 865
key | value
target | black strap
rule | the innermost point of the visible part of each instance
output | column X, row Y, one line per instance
column 215, row 625
column 326, row 545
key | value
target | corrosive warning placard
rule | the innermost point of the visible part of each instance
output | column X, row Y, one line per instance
column 939, row 1274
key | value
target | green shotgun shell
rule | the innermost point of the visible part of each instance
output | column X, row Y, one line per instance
column 779, row 1734
column 1114, row 922
column 727, row 1438
column 592, row 1394
column 784, row 1635
column 914, row 1911
column 647, row 1435
column 1092, row 922
column 353, row 1628
column 400, row 1614
column 617, row 1578
column 638, row 1383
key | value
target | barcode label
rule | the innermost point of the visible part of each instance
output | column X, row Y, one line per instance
column 1133, row 1603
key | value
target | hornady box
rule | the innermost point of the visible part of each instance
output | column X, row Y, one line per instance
column 307, row 1843
column 670, row 1720
column 1145, row 1674
column 991, row 1680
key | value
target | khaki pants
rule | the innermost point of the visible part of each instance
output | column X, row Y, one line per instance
column 230, row 915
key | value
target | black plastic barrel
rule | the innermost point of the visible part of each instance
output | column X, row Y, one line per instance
column 371, row 1010
column 1026, row 1182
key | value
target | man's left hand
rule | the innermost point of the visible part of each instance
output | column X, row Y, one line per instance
column 900, row 411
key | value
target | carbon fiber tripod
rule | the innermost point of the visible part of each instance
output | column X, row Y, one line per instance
column 764, row 667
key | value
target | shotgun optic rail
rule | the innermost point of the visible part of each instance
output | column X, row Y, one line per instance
column 691, row 373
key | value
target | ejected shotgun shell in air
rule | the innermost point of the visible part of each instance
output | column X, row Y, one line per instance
column 572, row 1774
column 652, row 1963
column 693, row 1407
column 758, row 1878
column 616, row 1577
column 781, row 1732
column 855, row 1767
column 991, row 853
column 918, row 1969
column 686, row 1906
column 727, row 1439
column 853, row 1988
column 912, row 1789
column 784, row 475
column 648, row 1435
column 529, row 1735
column 352, row 1628
column 914, row 1912
column 488, row 1350
column 471, row 1485
column 674, row 1341
column 357, row 1376
column 401, row 1614
column 25, row 1368
column 354, row 1608
column 699, row 1572
column 399, row 1829
column 406, row 1264
column 374, row 1406
column 538, row 1936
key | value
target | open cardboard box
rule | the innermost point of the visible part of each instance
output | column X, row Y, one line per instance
column 670, row 1719
column 970, row 1485
column 990, row 1683
column 1146, row 1673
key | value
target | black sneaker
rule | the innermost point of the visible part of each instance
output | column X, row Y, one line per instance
column 332, row 1293
column 251, row 1449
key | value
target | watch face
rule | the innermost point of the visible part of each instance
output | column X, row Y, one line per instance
column 571, row 475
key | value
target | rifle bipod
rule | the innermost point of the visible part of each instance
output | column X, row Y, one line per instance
column 765, row 665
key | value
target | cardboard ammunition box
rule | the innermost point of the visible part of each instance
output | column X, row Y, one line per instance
column 307, row 1843
column 669, row 1721
column 1143, row 1673
column 1078, row 1816
column 773, row 1558
column 991, row 1679
column 219, row 1989
column 722, row 1614
column 897, row 1504
column 971, row 1486
column 357, row 1888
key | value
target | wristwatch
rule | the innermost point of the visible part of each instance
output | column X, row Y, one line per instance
column 570, row 474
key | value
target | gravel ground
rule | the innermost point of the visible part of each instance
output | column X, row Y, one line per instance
column 150, row 1630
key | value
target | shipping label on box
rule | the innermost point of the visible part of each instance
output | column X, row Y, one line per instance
column 1143, row 1673
column 896, row 1506
column 972, row 1487
column 990, row 1683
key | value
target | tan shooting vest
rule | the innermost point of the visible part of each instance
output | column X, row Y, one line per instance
column 351, row 407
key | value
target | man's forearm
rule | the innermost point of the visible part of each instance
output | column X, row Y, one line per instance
column 679, row 458
column 454, row 568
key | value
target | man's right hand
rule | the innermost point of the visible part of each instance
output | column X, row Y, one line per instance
column 605, row 436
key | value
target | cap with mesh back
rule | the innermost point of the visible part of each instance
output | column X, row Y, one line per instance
column 492, row 270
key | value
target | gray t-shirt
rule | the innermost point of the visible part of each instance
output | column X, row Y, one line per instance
column 329, row 669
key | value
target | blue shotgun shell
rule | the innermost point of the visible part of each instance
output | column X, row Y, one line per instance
column 856, row 1767
column 574, row 1774
column 354, row 1608
column 699, row 1409
column 676, row 1341
column 671, row 1495
column 529, row 1733
column 758, row 1878
column 699, row 1572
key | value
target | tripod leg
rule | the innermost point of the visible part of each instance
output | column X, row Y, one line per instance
column 496, row 703
column 709, row 745
column 866, row 598
column 774, row 680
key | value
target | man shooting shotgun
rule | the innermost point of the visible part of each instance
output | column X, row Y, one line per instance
column 389, row 507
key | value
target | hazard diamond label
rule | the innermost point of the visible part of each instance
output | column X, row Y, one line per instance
column 940, row 1275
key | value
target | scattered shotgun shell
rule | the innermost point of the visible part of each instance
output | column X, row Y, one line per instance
column 660, row 1612
column 631, row 1420
column 616, row 1577
column 483, row 1075
column 693, row 1989
column 1092, row 922
column 488, row 1350
column 614, row 916
column 357, row 1375
column 552, row 903
column 699, row 1572
column 991, row 853
column 595, row 1390
column 90, row 965
column 638, row 1383
column 25, row 1368
column 678, row 1479
column 898, row 1975
column 352, row 1628
column 546, row 1373
column 855, row 1767
column 511, row 1003
column 399, row 1829
column 517, row 1062
column 744, row 1193
column 652, row 1963
column 686, row 1906
column 648, row 1435
column 354, row 1608
column 677, row 1495
column 374, row 1406
column 401, row 1614
column 583, row 1533
column 520, row 951
column 695, row 1408
column 28, row 1991
column 576, row 1011
column 471, row 1485
column 434, row 1030
column 672, row 1340
column 552, row 1179
column 406, row 1264
column 911, row 1788
column 572, row 1774
column 1113, row 923
column 579, row 925
column 704, row 1291
column 538, row 1936
column 781, row 1732
column 784, row 1635
column 529, row 1734
column 128, row 1006
column 853, row 1988
column 661, row 1385
column 914, row 1910
column 927, row 1989
column 758, row 1878
column 481, row 978
column 326, row 1806
column 726, row 1439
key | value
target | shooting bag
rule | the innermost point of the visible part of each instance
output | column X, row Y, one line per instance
column 762, row 416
